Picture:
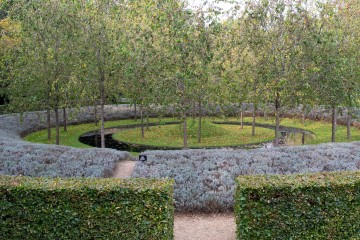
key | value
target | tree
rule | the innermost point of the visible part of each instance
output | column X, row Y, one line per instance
column 326, row 71
column 142, row 68
column 44, row 69
column 9, row 41
column 277, row 33
column 349, row 56
column 101, row 30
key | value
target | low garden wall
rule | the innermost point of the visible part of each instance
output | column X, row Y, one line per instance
column 310, row 206
column 54, row 208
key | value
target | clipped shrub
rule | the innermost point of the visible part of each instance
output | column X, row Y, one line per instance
column 19, row 157
column 310, row 206
column 205, row 179
column 45, row 208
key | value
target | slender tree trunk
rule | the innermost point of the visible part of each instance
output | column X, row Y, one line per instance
column 135, row 112
column 265, row 112
column 184, row 113
column 277, row 116
column 303, row 138
column 242, row 116
column 333, row 124
column 194, row 112
column 142, row 121
column 303, row 114
column 253, row 120
column 48, row 124
column 147, row 119
column 200, row 123
column 57, row 126
column 348, row 123
column 185, row 131
column 65, row 119
column 96, row 121
column 102, row 108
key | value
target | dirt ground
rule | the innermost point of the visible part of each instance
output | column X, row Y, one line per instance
column 198, row 226
column 124, row 169
column 204, row 226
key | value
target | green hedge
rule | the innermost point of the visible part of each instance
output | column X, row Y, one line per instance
column 2, row 109
column 44, row 208
column 310, row 206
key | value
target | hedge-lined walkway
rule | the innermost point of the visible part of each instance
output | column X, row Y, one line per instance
column 191, row 226
column 204, row 226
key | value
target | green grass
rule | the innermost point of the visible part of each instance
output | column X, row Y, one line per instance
column 71, row 137
column 321, row 129
column 212, row 135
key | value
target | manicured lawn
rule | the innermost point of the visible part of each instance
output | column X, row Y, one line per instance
column 71, row 137
column 213, row 135
column 322, row 130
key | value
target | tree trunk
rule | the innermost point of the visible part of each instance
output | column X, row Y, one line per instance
column 265, row 112
column 333, row 124
column 57, row 126
column 303, row 114
column 65, row 119
column 200, row 123
column 348, row 123
column 185, row 131
column 102, row 108
column 303, row 138
column 147, row 119
column 48, row 124
column 135, row 112
column 253, row 120
column 194, row 112
column 142, row 121
column 277, row 116
column 95, row 115
column 242, row 116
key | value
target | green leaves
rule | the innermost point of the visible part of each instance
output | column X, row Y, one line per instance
column 310, row 206
column 45, row 208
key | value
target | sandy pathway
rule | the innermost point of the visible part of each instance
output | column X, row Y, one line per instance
column 204, row 226
column 191, row 226
column 124, row 169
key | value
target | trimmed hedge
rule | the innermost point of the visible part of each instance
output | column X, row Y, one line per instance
column 45, row 208
column 310, row 206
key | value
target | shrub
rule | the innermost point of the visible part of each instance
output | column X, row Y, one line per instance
column 19, row 157
column 44, row 208
column 311, row 206
column 205, row 179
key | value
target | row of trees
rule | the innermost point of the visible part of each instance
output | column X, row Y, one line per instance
column 73, row 53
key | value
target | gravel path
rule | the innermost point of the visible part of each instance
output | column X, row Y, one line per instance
column 191, row 226
column 204, row 226
column 124, row 169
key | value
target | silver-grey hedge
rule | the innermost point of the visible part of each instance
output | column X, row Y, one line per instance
column 19, row 157
column 205, row 179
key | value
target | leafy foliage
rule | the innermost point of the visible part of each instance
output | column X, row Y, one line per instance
column 45, row 208
column 310, row 206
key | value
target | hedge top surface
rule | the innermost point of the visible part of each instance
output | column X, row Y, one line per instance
column 298, row 180
column 78, row 183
